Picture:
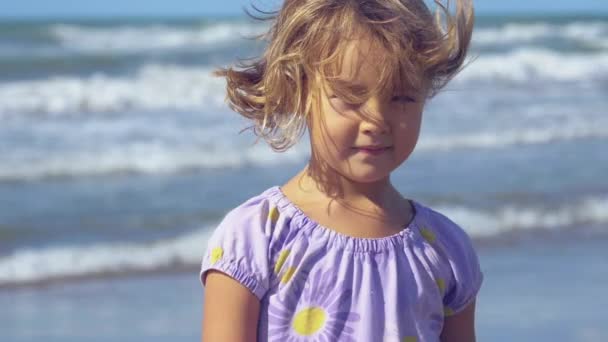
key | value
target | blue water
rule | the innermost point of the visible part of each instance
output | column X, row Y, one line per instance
column 118, row 155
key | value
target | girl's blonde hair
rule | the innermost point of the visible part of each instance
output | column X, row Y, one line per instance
column 306, row 42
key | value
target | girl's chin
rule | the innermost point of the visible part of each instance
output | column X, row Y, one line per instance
column 368, row 177
column 358, row 172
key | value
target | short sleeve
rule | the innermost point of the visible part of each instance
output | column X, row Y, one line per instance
column 239, row 246
column 466, row 275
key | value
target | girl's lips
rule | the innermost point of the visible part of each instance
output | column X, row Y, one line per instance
column 373, row 150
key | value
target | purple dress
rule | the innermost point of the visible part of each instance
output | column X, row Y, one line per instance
column 315, row 284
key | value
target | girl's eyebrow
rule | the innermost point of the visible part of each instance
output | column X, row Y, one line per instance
column 353, row 86
column 359, row 88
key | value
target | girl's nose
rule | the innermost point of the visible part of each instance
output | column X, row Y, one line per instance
column 374, row 119
column 377, row 126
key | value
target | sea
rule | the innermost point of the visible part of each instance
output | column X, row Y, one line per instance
column 119, row 155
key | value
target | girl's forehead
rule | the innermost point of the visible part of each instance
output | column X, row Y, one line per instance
column 360, row 65
column 360, row 58
column 359, row 62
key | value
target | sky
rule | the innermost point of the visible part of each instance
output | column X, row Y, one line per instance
column 137, row 8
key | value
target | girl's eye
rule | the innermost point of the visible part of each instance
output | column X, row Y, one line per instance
column 403, row 98
column 340, row 104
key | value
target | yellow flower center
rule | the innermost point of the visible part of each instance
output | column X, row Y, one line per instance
column 309, row 321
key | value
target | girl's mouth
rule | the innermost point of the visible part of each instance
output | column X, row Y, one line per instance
column 373, row 150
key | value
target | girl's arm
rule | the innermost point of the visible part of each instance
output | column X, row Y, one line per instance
column 460, row 327
column 230, row 311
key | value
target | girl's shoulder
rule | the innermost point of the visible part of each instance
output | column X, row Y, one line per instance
column 258, row 212
column 434, row 225
column 455, row 255
column 261, row 217
column 244, row 241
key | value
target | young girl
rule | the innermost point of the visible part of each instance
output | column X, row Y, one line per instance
column 337, row 253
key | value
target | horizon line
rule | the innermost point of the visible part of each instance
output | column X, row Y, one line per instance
column 180, row 16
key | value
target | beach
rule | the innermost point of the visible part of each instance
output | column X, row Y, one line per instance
column 119, row 156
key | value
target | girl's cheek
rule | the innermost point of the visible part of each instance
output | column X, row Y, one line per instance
column 341, row 107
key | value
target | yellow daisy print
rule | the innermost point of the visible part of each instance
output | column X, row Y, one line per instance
column 288, row 275
column 428, row 234
column 281, row 260
column 441, row 285
column 309, row 321
column 278, row 266
column 320, row 312
column 216, row 254
column 273, row 215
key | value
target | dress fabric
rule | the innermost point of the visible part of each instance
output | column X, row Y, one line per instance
column 315, row 284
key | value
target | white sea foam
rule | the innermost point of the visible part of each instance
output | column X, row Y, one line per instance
column 30, row 265
column 592, row 34
column 133, row 39
column 590, row 210
column 523, row 136
column 97, row 149
column 162, row 87
column 535, row 64
column 144, row 158
column 153, row 87
column 34, row 265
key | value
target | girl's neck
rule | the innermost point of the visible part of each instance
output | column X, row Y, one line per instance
column 331, row 187
column 369, row 210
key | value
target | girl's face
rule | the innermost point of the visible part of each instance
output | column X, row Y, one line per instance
column 364, row 143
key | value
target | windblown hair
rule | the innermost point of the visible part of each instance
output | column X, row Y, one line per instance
column 306, row 42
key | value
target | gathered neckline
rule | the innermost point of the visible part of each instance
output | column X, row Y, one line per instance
column 361, row 244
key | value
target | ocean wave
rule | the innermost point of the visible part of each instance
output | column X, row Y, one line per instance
column 114, row 154
column 29, row 266
column 535, row 64
column 592, row 34
column 153, row 87
column 143, row 158
column 505, row 138
column 44, row 264
column 135, row 39
column 162, row 87
column 74, row 39
column 514, row 218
